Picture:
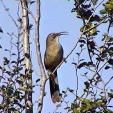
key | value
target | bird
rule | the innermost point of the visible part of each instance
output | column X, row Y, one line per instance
column 52, row 58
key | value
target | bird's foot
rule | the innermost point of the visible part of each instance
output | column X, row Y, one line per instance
column 64, row 60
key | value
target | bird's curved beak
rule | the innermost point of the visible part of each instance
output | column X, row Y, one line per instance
column 61, row 33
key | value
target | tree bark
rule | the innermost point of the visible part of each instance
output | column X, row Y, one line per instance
column 27, row 60
column 39, row 59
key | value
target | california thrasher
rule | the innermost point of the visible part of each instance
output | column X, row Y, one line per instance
column 53, row 57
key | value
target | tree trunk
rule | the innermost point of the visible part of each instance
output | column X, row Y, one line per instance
column 27, row 60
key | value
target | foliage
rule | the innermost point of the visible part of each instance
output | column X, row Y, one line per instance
column 12, row 80
column 108, row 8
column 12, row 71
column 94, row 99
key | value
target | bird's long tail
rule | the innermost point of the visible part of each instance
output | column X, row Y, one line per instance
column 54, row 88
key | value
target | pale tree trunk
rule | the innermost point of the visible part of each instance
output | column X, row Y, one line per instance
column 26, row 48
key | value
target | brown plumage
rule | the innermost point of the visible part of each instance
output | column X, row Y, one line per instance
column 53, row 57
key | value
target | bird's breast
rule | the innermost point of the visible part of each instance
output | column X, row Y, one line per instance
column 53, row 56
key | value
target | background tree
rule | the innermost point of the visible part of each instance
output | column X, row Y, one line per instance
column 92, row 60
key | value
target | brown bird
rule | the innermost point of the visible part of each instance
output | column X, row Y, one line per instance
column 53, row 57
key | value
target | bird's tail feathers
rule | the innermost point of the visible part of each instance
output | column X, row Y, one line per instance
column 54, row 88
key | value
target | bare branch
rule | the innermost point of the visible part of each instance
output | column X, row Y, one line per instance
column 7, row 10
column 108, row 81
column 39, row 59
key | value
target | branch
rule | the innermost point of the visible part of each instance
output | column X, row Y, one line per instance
column 7, row 10
column 39, row 59
column 108, row 81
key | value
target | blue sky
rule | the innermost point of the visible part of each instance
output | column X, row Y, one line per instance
column 56, row 16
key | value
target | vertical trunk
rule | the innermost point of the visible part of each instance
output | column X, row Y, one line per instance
column 26, row 47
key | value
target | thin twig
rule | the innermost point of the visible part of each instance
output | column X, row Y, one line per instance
column 108, row 81
column 7, row 10
column 94, row 11
column 97, row 71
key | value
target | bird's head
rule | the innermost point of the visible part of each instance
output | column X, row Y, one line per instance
column 55, row 36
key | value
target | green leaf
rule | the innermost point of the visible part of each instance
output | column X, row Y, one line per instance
column 2, row 106
column 58, row 105
column 16, row 111
column 22, row 89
